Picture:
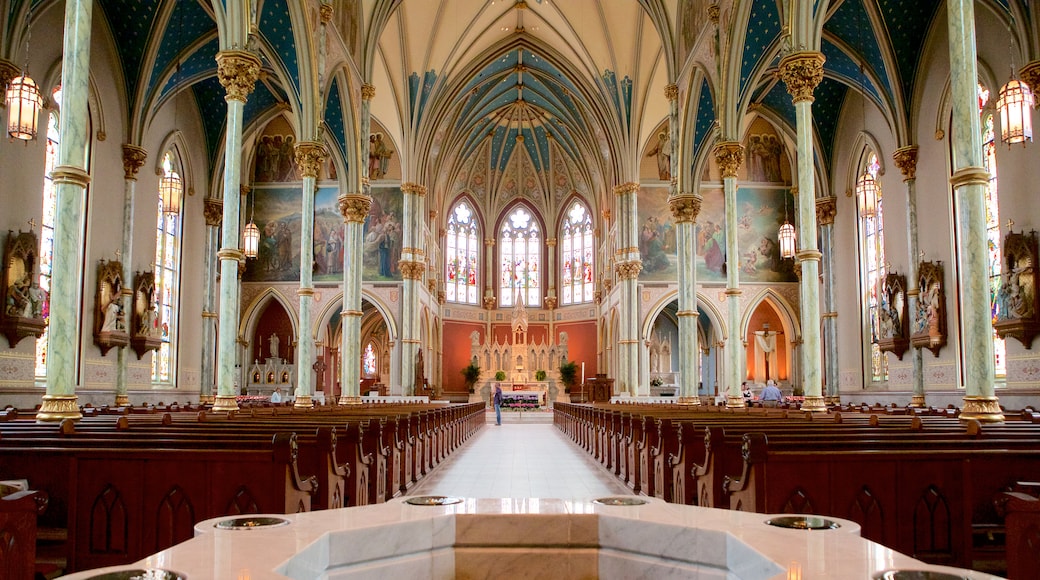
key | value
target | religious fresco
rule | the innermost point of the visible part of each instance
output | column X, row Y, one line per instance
column 328, row 236
column 276, row 212
column 657, row 236
column 657, row 160
column 760, row 213
column 383, row 235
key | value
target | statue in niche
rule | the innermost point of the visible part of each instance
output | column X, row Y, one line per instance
column 273, row 342
column 663, row 151
column 23, row 304
column 1016, row 304
column 110, row 324
column 929, row 329
column 894, row 331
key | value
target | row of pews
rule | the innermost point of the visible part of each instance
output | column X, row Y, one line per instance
column 924, row 483
column 125, row 483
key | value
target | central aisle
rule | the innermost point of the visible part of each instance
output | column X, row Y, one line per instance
column 518, row 460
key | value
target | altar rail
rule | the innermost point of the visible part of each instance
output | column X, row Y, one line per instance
column 923, row 483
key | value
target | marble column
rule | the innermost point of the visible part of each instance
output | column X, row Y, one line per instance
column 489, row 268
column 906, row 159
column 826, row 210
column 685, row 208
column 802, row 72
column 70, row 179
column 730, row 156
column 237, row 71
column 970, row 180
column 550, row 297
column 354, row 208
column 628, row 266
column 412, row 267
column 133, row 158
column 310, row 156
column 671, row 92
column 213, row 210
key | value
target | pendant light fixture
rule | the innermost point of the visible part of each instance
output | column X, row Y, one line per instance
column 251, row 233
column 171, row 187
column 23, row 97
column 1015, row 103
column 786, row 235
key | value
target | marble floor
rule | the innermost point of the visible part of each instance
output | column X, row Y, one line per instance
column 520, row 460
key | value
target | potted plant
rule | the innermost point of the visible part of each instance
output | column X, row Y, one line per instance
column 539, row 376
column 471, row 374
column 656, row 382
column 568, row 375
column 500, row 376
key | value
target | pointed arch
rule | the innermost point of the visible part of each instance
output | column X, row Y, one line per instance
column 576, row 245
column 520, row 234
column 463, row 229
column 251, row 314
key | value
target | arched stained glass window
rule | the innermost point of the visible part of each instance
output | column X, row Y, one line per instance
column 50, row 204
column 167, row 277
column 462, row 255
column 576, row 256
column 872, row 257
column 369, row 366
column 520, row 251
column 989, row 160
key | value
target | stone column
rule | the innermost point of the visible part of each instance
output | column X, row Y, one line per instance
column 310, row 156
column 801, row 72
column 826, row 210
column 550, row 297
column 70, row 179
column 685, row 209
column 354, row 207
column 489, row 276
column 412, row 268
column 133, row 158
column 671, row 92
column 213, row 210
column 970, row 180
column 906, row 159
column 237, row 71
column 628, row 267
column 730, row 155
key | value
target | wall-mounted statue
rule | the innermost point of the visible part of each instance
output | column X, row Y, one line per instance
column 894, row 331
column 25, row 306
column 110, row 325
column 929, row 328
column 146, row 332
column 1017, row 305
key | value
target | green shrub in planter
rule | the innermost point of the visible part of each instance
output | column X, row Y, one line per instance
column 500, row 376
column 471, row 374
column 539, row 375
column 568, row 375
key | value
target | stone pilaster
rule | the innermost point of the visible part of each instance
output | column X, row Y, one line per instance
column 70, row 180
column 802, row 72
column 685, row 208
column 213, row 212
column 729, row 155
column 671, row 92
column 826, row 211
column 412, row 269
column 550, row 297
column 133, row 158
column 310, row 156
column 906, row 159
column 627, row 268
column 354, row 208
column 237, row 72
column 489, row 264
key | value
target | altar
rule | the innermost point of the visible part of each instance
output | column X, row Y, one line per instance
column 524, row 396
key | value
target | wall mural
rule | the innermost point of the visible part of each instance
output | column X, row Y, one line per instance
column 656, row 236
column 383, row 235
column 328, row 236
column 760, row 212
column 276, row 211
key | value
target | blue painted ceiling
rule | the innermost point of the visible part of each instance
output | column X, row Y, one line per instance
column 334, row 118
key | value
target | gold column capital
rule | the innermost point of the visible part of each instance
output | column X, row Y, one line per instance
column 8, row 71
column 625, row 188
column 826, row 210
column 354, row 207
column 237, row 71
column 310, row 155
column 1030, row 73
column 906, row 160
column 413, row 188
column 326, row 13
column 730, row 156
column 411, row 269
column 802, row 72
column 489, row 242
column 628, row 270
column 685, row 208
column 713, row 14
column 368, row 92
column 551, row 242
column 133, row 159
column 231, row 254
column 213, row 210
column 671, row 91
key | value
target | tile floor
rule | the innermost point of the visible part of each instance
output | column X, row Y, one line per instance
column 520, row 460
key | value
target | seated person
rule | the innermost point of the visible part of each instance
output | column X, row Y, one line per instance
column 771, row 395
column 746, row 391
column 276, row 396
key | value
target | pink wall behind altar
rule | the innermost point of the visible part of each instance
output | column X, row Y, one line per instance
column 581, row 345
column 457, row 353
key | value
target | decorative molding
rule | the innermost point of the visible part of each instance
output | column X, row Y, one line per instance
column 70, row 174
column 729, row 155
column 57, row 407
column 134, row 158
column 906, row 160
column 985, row 409
column 802, row 72
column 368, row 92
column 626, row 188
column 310, row 156
column 326, row 13
column 671, row 91
column 826, row 210
column 969, row 176
column 237, row 71
column 355, row 207
column 628, row 270
column 685, row 208
column 1030, row 73
column 213, row 211
column 411, row 269
column 413, row 188
column 231, row 254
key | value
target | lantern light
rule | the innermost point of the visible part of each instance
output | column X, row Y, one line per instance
column 786, row 236
column 23, row 108
column 251, row 239
column 1014, row 103
column 867, row 189
column 171, row 189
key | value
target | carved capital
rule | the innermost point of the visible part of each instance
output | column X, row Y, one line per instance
column 551, row 242
column 628, row 270
column 244, row 190
column 354, row 207
column 412, row 269
column 671, row 91
column 213, row 210
column 310, row 155
column 413, row 188
column 133, row 159
column 826, row 210
column 685, row 208
column 802, row 72
column 550, row 302
column 1030, row 73
column 906, row 161
column 237, row 71
column 489, row 302
column 713, row 14
column 368, row 92
column 625, row 188
column 8, row 71
column 730, row 156
column 326, row 13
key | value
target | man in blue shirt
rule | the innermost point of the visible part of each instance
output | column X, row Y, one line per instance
column 498, row 405
column 771, row 395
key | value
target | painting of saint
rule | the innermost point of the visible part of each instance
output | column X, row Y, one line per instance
column 383, row 235
column 759, row 216
column 656, row 236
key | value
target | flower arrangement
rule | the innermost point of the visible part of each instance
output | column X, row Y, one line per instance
column 656, row 382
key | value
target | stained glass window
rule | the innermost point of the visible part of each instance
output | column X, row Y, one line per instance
column 368, row 361
column 872, row 230
column 50, row 203
column 520, row 251
column 576, row 274
column 989, row 159
column 167, row 277
column 462, row 256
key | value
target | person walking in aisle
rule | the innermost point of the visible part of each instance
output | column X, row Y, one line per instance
column 498, row 405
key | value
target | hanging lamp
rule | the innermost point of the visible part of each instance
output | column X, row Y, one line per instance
column 786, row 236
column 24, row 98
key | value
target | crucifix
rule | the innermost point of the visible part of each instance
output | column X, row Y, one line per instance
column 32, row 224
column 1010, row 224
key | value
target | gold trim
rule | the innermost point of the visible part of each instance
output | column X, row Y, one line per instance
column 208, row 314
column 326, row 13
column 682, row 313
column 685, row 208
column 303, row 402
column 122, row 400
column 213, row 211
column 305, row 291
column 354, row 207
column 809, row 255
column 917, row 401
column 626, row 188
column 829, row 315
column 969, row 176
column 729, row 155
column 802, row 72
column 551, row 242
column 906, row 160
column 133, row 159
column 984, row 409
column 350, row 400
column 231, row 254
column 629, row 270
column 206, row 399
column 814, row 404
column 58, row 407
column 690, row 401
column 351, row 313
column 237, row 71
column 309, row 157
column 409, row 341
column 225, row 403
column 733, row 292
column 826, row 210
column 671, row 91
column 368, row 92
column 628, row 341
column 70, row 174
column 735, row 402
column 1030, row 73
